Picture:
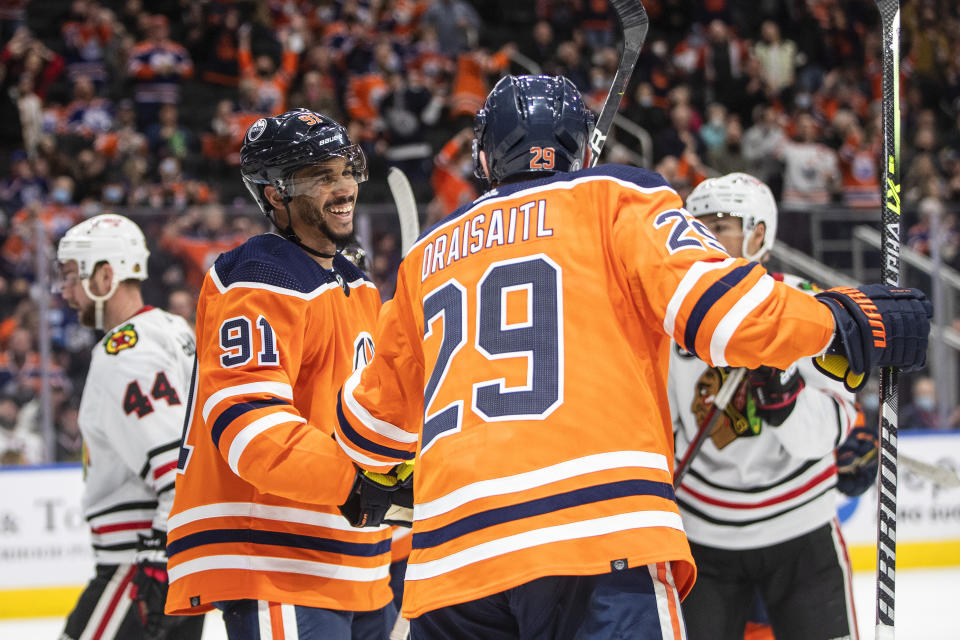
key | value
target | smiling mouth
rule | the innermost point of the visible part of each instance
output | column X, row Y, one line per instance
column 342, row 210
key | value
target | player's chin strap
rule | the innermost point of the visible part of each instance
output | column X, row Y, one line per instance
column 99, row 300
column 292, row 236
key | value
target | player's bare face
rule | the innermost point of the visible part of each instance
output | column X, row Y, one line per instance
column 73, row 294
column 729, row 231
column 324, row 201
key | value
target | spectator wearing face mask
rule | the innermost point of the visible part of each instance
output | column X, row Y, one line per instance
column 922, row 411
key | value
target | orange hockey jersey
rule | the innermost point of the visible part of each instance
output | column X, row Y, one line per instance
column 523, row 363
column 260, row 474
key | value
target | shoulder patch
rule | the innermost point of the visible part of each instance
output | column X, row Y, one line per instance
column 123, row 338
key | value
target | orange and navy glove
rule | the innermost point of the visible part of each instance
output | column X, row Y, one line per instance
column 874, row 326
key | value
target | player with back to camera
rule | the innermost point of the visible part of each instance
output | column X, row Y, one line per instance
column 256, row 529
column 530, row 336
column 758, row 503
column 130, row 415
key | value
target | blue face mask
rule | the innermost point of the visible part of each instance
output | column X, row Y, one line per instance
column 60, row 196
column 113, row 194
column 870, row 402
column 925, row 403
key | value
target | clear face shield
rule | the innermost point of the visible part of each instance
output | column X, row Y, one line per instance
column 340, row 172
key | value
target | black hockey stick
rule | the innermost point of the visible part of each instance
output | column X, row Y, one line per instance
column 720, row 402
column 634, row 22
column 890, row 273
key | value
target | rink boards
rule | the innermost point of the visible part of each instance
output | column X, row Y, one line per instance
column 45, row 554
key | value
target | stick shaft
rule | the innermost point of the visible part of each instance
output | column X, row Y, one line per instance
column 890, row 274
column 634, row 22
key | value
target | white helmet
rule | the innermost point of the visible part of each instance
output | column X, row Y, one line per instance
column 741, row 195
column 107, row 238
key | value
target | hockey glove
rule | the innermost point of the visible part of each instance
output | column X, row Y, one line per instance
column 775, row 392
column 149, row 590
column 875, row 326
column 857, row 462
column 375, row 498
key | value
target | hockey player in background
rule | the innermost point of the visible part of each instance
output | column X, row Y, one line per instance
column 530, row 337
column 131, row 417
column 256, row 529
column 758, row 502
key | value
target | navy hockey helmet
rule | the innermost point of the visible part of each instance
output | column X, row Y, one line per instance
column 531, row 125
column 274, row 148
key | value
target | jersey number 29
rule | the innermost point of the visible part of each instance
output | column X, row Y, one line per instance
column 538, row 339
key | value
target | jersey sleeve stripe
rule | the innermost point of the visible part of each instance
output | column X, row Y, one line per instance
column 538, row 537
column 538, row 478
column 366, row 445
column 277, row 539
column 280, row 389
column 540, row 506
column 364, row 461
column 689, row 280
column 251, row 431
column 282, row 565
column 725, row 328
column 380, row 427
column 710, row 297
column 232, row 413
column 262, row 512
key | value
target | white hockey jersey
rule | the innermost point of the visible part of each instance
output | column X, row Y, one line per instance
column 131, row 417
column 755, row 491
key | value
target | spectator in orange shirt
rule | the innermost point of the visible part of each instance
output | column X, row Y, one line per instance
column 270, row 85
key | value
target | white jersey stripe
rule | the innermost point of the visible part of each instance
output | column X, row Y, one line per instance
column 263, row 512
column 280, row 565
column 537, row 478
column 725, row 328
column 380, row 427
column 252, row 430
column 538, row 537
column 288, row 615
column 263, row 620
column 690, row 278
column 279, row 389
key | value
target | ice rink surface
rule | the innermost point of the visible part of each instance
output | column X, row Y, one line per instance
column 925, row 601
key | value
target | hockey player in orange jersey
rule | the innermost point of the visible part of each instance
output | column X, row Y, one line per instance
column 256, row 528
column 523, row 364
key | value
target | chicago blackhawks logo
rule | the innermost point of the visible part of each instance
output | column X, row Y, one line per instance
column 123, row 338
column 739, row 417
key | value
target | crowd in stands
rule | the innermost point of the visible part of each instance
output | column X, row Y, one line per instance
column 141, row 108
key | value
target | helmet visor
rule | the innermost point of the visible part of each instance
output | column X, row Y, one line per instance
column 347, row 166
